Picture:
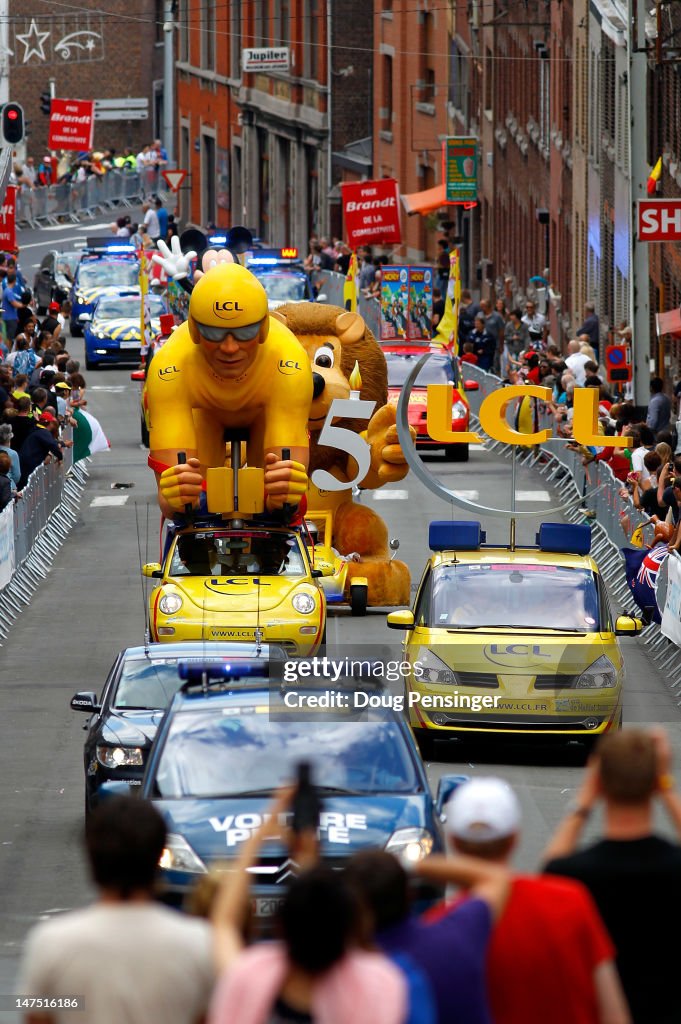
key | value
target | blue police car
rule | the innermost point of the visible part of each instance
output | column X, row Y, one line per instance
column 113, row 330
column 282, row 275
column 107, row 267
column 230, row 737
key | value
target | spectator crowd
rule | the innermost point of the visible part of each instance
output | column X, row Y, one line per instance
column 580, row 942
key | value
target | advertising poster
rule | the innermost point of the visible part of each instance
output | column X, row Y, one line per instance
column 8, row 238
column 419, row 327
column 6, row 544
column 671, row 611
column 72, row 124
column 394, row 302
column 371, row 212
column 461, row 169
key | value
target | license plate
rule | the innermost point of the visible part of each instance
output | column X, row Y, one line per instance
column 233, row 634
column 129, row 344
column 267, row 906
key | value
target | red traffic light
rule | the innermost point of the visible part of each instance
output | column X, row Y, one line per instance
column 12, row 118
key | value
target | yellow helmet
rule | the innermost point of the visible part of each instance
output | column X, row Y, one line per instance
column 228, row 298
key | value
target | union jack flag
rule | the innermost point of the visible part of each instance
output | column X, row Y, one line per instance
column 651, row 565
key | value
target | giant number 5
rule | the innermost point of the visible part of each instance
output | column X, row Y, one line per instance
column 345, row 440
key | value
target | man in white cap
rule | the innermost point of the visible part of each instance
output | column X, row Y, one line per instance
column 550, row 958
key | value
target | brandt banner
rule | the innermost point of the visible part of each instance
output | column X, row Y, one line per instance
column 372, row 212
column 72, row 124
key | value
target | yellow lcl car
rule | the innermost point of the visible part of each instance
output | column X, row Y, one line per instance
column 238, row 583
column 512, row 640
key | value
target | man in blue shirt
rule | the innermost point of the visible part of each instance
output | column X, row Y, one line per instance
column 162, row 215
column 11, row 304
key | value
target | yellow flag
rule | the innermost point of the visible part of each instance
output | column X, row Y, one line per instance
column 145, row 311
column 350, row 286
column 447, row 332
column 637, row 537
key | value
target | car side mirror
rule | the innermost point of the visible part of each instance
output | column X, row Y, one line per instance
column 627, row 625
column 445, row 788
column 85, row 700
column 402, row 619
column 85, row 318
column 152, row 570
column 137, row 375
column 471, row 385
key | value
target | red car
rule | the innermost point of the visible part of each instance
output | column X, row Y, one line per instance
column 440, row 369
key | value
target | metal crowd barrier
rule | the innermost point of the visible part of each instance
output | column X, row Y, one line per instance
column 54, row 204
column 43, row 519
column 594, row 494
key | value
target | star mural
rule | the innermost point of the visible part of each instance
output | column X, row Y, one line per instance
column 34, row 42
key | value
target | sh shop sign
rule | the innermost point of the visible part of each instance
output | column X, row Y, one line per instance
column 371, row 211
column 659, row 220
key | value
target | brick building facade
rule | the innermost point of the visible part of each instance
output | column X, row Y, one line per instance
column 91, row 51
column 258, row 145
column 410, row 109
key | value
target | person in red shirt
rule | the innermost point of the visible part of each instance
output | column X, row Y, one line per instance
column 469, row 355
column 550, row 958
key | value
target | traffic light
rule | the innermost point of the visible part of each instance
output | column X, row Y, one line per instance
column 12, row 124
column 45, row 103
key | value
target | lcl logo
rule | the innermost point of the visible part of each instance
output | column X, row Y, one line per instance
column 227, row 307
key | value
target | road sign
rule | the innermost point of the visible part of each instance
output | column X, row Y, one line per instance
column 174, row 179
column 659, row 220
column 121, row 115
column 617, row 363
column 266, row 58
column 124, row 103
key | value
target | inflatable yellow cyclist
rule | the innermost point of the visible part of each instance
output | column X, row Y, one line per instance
column 230, row 366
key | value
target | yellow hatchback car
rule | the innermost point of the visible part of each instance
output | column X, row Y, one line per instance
column 518, row 640
column 239, row 581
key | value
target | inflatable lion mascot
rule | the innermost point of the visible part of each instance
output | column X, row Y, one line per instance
column 335, row 342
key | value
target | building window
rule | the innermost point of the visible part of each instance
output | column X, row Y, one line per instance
column 185, row 161
column 159, row 18
column 458, row 79
column 387, row 105
column 208, row 35
column 311, row 40
column 235, row 38
column 427, row 70
column 544, row 101
column 487, row 76
column 282, row 27
column 208, row 192
column 183, row 23
column 261, row 29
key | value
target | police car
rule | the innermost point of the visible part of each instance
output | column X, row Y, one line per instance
column 281, row 273
column 107, row 267
column 232, row 736
column 515, row 640
column 112, row 330
column 139, row 687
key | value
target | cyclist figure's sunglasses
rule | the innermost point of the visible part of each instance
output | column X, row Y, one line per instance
column 217, row 334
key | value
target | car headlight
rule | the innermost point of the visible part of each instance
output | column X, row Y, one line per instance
column 178, row 856
column 119, row 757
column 304, row 603
column 410, row 844
column 600, row 675
column 100, row 334
column 428, row 668
column 170, row 603
column 459, row 411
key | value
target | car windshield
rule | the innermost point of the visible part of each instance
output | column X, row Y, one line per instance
column 128, row 309
column 284, row 287
column 231, row 750
column 100, row 274
column 147, row 683
column 66, row 265
column 240, row 553
column 436, row 371
column 521, row 596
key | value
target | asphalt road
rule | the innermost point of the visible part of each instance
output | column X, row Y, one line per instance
column 91, row 605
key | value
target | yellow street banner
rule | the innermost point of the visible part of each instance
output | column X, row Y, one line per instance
column 145, row 308
column 447, row 333
column 350, row 286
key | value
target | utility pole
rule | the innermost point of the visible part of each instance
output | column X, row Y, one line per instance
column 4, row 52
column 638, row 170
column 169, row 80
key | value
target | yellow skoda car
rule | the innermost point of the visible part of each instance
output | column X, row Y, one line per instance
column 238, row 581
column 505, row 640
